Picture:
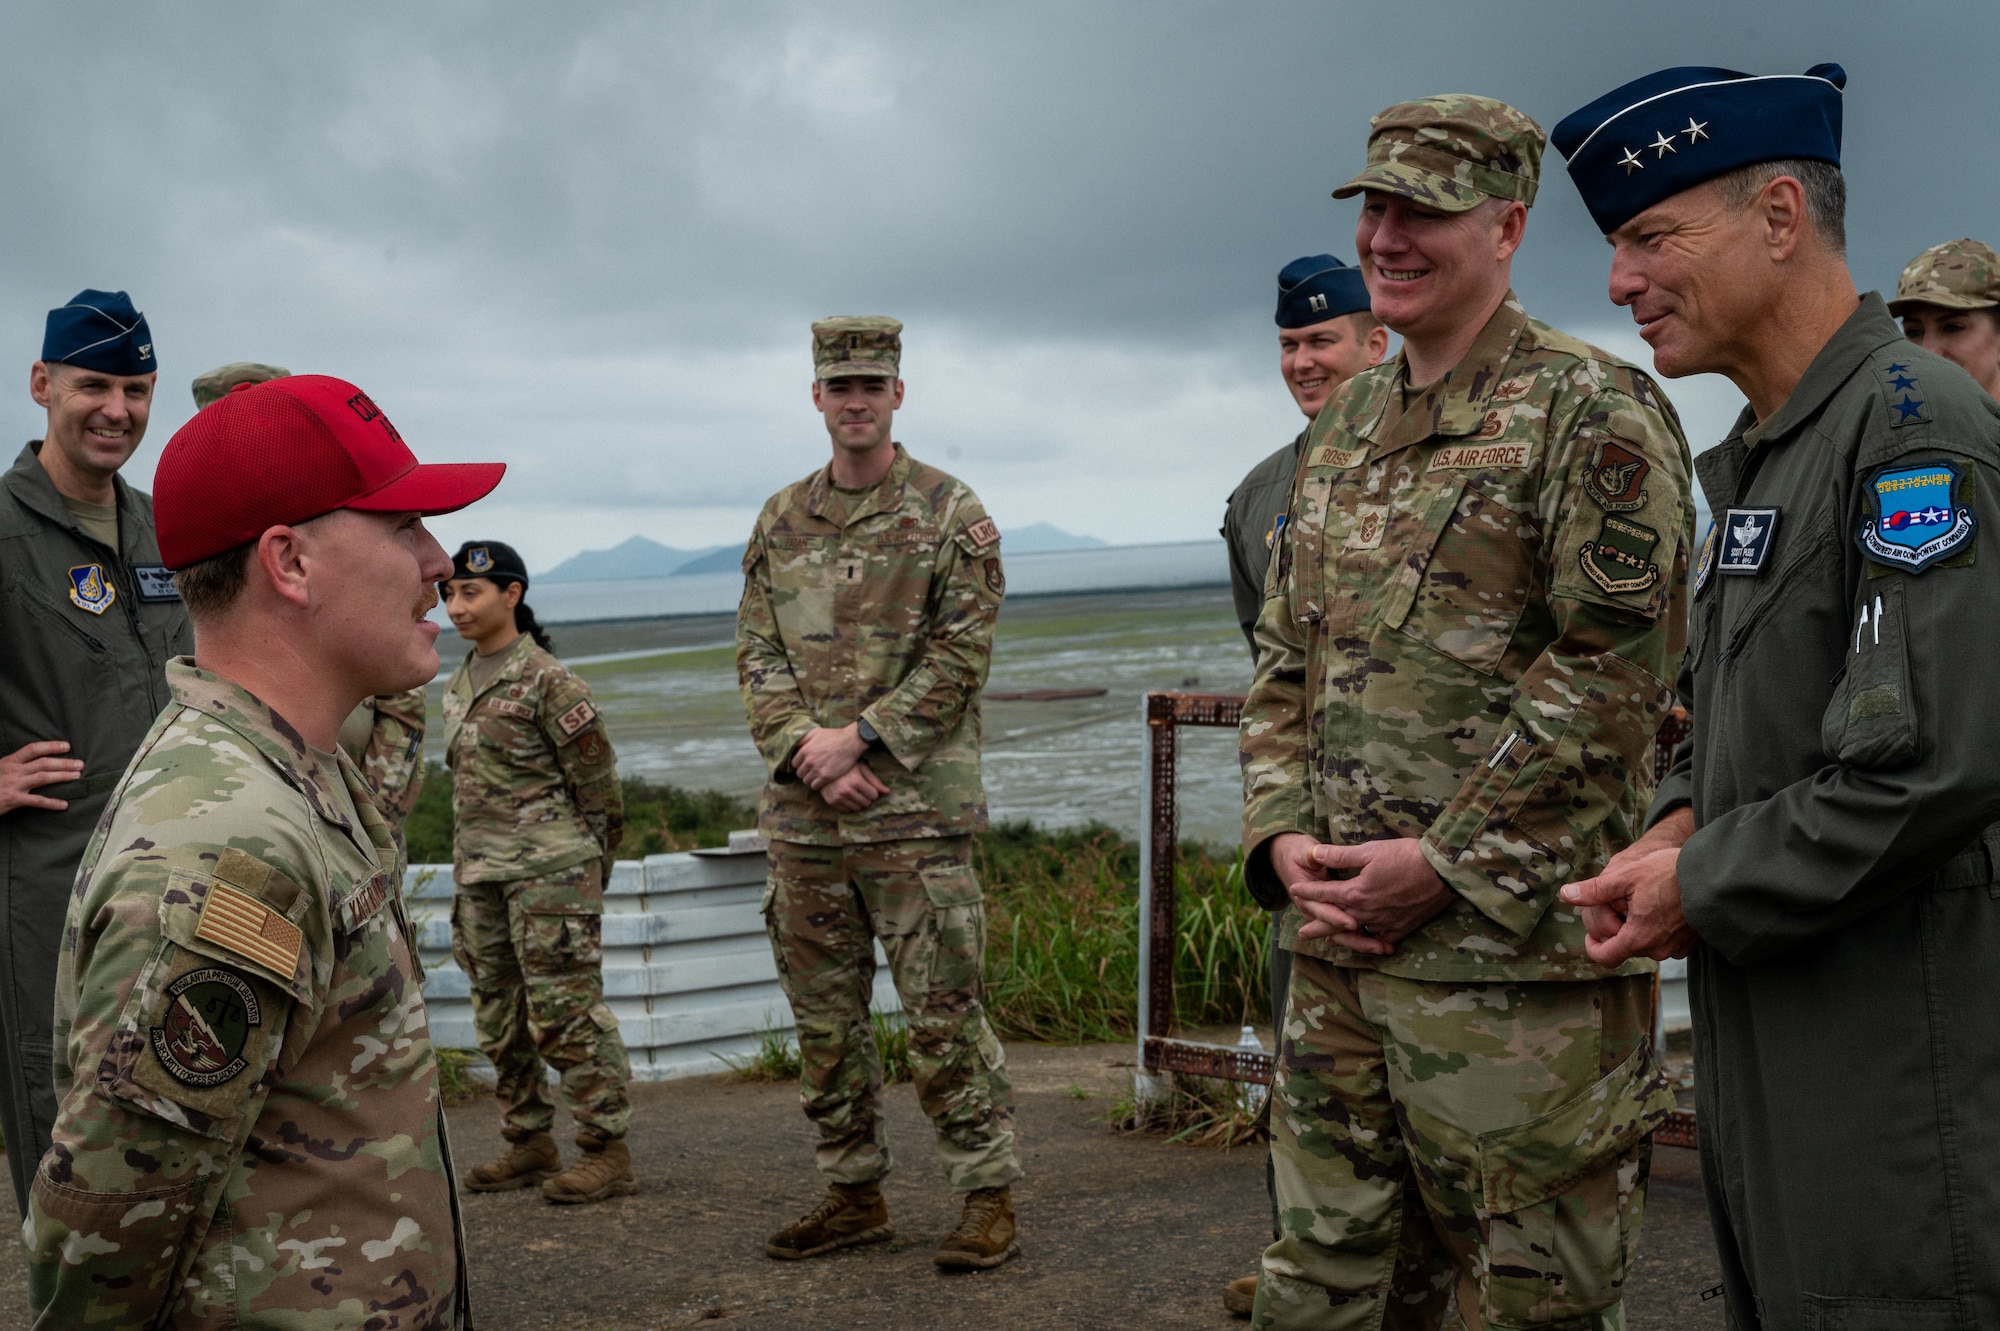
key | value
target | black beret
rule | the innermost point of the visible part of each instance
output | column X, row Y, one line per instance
column 1317, row 288
column 492, row 560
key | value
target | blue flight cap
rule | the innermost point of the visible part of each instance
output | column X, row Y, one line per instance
column 1670, row 131
column 99, row 330
column 1317, row 288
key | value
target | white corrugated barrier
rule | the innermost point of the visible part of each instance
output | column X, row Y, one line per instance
column 687, row 968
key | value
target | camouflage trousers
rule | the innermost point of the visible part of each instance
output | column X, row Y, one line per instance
column 824, row 907
column 533, row 951
column 1488, row 1140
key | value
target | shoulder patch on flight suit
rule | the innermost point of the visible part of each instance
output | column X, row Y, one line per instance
column 207, row 1020
column 1621, row 558
column 576, row 718
column 1915, row 517
column 1616, row 477
column 90, row 590
column 1905, row 407
column 1748, row 535
column 1705, row 562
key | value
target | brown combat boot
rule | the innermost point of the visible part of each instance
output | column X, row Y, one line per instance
column 533, row 1157
column 849, row 1214
column 985, row 1236
column 1239, row 1297
column 603, row 1170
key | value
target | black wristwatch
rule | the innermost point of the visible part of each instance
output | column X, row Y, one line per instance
column 867, row 733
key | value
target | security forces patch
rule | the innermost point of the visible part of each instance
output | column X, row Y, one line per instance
column 479, row 559
column 210, row 1014
column 1748, row 535
column 1615, row 478
column 156, row 582
column 1705, row 563
column 90, row 589
column 1621, row 558
column 1916, row 519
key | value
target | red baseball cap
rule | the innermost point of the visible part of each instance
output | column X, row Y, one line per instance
column 270, row 454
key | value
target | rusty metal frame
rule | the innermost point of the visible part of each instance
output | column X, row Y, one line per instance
column 1160, row 1052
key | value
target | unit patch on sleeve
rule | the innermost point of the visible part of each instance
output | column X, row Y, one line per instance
column 156, row 582
column 1620, row 560
column 983, row 533
column 90, row 590
column 209, row 1015
column 1616, row 477
column 576, row 718
column 996, row 581
column 1704, row 564
column 1915, row 518
column 1748, row 535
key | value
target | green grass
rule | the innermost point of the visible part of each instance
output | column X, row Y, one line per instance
column 776, row 1057
column 659, row 818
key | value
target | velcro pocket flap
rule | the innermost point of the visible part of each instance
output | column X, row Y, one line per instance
column 950, row 885
column 1525, row 1165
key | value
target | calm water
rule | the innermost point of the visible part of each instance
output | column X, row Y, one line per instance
column 668, row 692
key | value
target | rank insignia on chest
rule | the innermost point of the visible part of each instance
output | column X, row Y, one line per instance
column 1704, row 564
column 90, row 590
column 209, row 1015
column 479, row 559
column 1616, row 477
column 1620, row 560
column 1915, row 519
column 1748, row 535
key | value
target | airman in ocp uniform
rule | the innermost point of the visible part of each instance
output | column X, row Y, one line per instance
column 870, row 592
column 88, row 620
column 1948, row 299
column 539, row 815
column 250, row 1132
column 384, row 736
column 1467, row 647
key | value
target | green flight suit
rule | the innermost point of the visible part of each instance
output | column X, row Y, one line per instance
column 82, row 658
column 1845, row 777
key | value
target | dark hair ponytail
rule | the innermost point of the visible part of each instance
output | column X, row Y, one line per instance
column 525, row 622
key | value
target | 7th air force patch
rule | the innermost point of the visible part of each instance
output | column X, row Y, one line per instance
column 1917, row 520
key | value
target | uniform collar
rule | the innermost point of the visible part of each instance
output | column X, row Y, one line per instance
column 29, row 481
column 513, row 662
column 1456, row 404
column 273, row 736
column 1870, row 328
column 881, row 499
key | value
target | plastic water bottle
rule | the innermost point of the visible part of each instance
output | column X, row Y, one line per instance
column 1253, row 1093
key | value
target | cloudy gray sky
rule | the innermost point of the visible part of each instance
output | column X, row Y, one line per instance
column 587, row 239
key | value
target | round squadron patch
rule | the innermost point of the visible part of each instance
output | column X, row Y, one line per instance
column 210, row 1014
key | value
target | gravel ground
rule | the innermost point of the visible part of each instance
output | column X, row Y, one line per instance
column 1117, row 1230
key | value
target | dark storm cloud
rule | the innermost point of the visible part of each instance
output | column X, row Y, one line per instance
column 587, row 239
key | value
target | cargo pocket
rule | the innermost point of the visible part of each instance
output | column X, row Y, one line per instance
column 958, row 924
column 554, row 946
column 1871, row 722
column 1558, row 1191
column 1863, row 1314
column 604, row 1017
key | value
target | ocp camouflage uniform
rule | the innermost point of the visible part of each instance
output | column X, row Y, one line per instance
column 250, row 1131
column 384, row 737
column 1478, row 605
column 539, row 815
column 880, row 606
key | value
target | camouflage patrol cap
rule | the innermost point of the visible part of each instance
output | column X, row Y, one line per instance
column 1957, row 275
column 1452, row 152
column 870, row 344
column 211, row 386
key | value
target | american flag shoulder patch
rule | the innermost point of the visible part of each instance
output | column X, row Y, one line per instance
column 576, row 718
column 242, row 924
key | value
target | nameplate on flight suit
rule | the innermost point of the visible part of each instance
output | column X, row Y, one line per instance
column 1329, row 456
column 156, row 582
column 1466, row 457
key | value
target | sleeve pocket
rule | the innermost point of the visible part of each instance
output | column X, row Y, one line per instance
column 1872, row 720
column 1558, row 1194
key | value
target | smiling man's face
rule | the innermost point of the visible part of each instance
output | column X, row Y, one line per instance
column 1428, row 270
column 1319, row 358
column 96, row 420
column 1694, row 272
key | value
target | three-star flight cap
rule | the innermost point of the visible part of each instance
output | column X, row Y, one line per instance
column 282, row 451
column 1648, row 140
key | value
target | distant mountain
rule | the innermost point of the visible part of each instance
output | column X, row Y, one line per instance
column 1041, row 536
column 636, row 558
column 725, row 559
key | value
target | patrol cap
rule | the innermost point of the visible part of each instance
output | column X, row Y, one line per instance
column 99, row 330
column 870, row 344
column 287, row 450
column 493, row 560
column 211, row 386
column 1957, row 275
column 1451, row 152
column 1317, row 288
column 1649, row 139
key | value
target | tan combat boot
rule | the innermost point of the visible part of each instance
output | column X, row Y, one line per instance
column 849, row 1214
column 533, row 1157
column 985, row 1236
column 1239, row 1297
column 603, row 1170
